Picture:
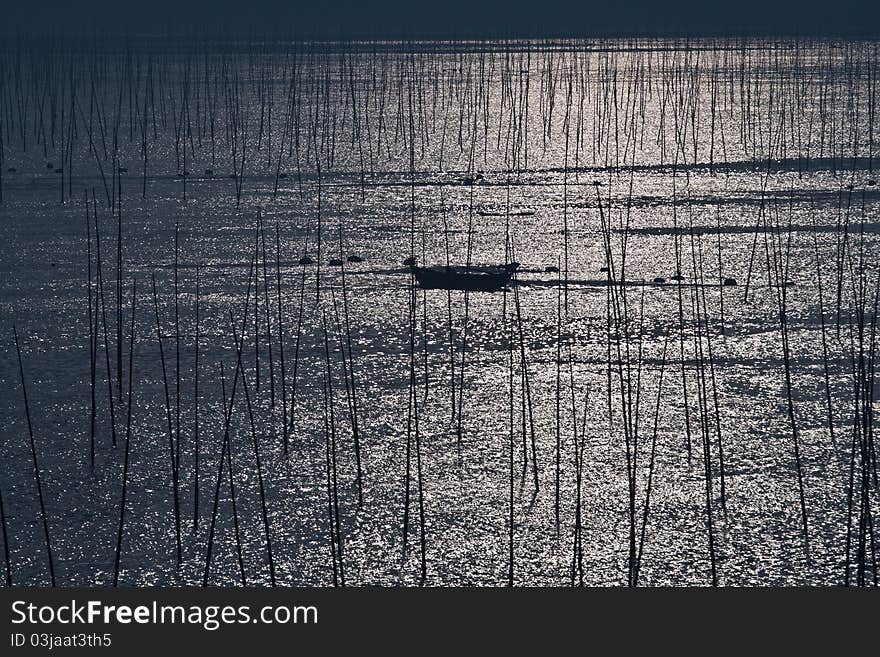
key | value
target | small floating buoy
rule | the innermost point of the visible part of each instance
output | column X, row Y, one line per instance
column 209, row 172
column 306, row 260
column 123, row 170
column 659, row 280
column 550, row 269
column 355, row 258
column 409, row 262
column 729, row 281
column 53, row 264
column 335, row 262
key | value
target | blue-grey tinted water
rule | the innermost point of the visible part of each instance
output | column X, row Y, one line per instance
column 710, row 420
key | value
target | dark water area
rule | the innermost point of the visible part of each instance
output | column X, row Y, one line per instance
column 676, row 388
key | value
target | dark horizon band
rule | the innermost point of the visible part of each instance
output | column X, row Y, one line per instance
column 451, row 19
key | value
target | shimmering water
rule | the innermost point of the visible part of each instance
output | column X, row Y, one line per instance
column 752, row 161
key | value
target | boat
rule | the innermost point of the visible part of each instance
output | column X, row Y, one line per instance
column 473, row 278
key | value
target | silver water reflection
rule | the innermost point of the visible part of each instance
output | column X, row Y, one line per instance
column 443, row 150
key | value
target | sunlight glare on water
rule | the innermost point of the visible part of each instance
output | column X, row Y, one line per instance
column 751, row 161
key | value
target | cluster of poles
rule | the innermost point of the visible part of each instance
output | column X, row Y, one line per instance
column 285, row 119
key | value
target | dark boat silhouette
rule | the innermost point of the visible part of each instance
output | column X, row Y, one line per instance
column 473, row 278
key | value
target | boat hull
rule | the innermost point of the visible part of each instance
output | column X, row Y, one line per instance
column 473, row 279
